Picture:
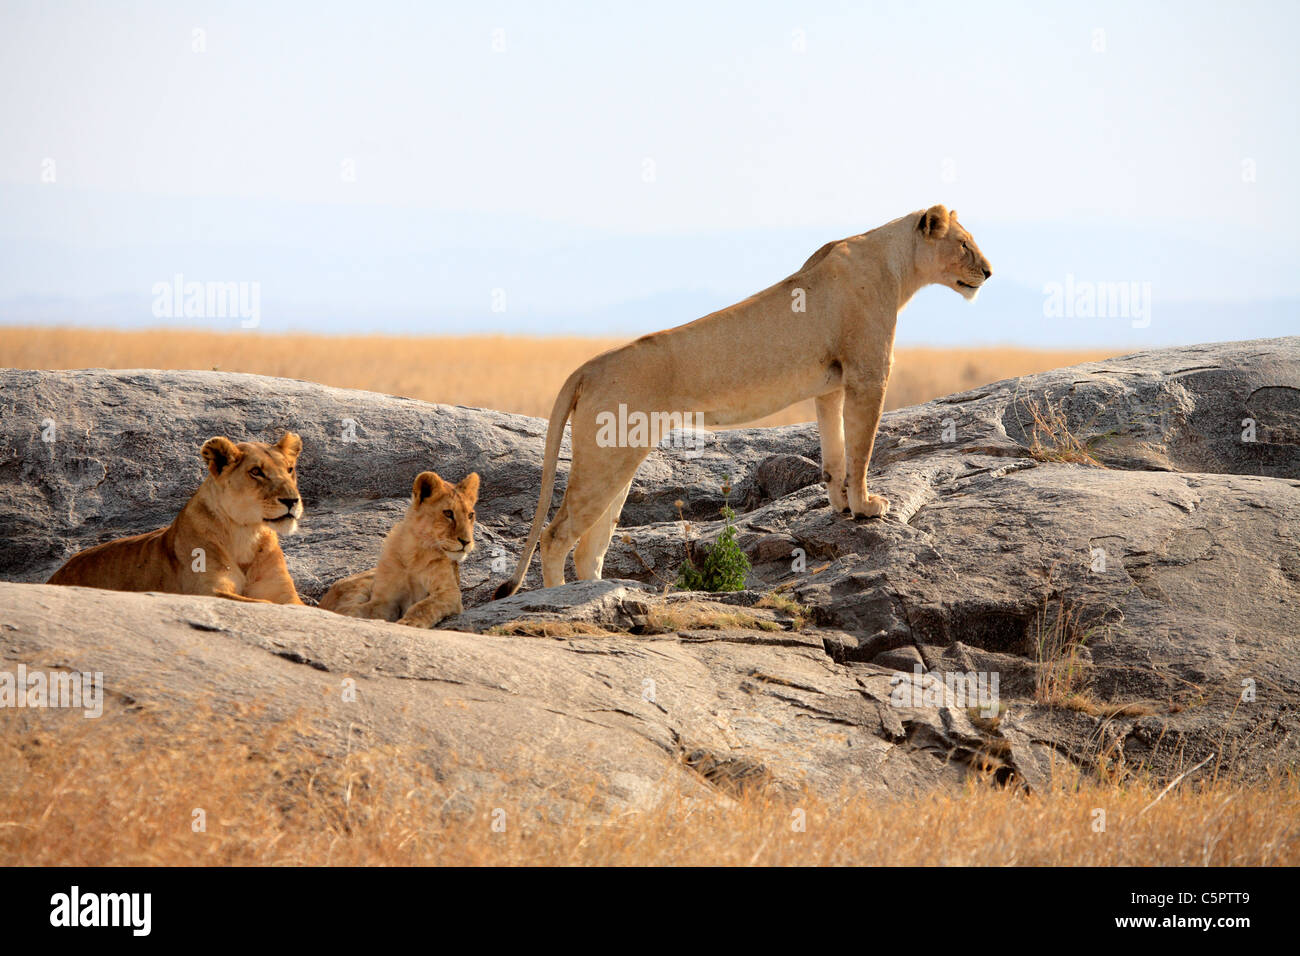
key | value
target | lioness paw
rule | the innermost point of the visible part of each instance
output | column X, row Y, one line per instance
column 874, row 507
column 839, row 498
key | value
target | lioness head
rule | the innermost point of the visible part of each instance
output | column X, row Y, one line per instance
column 442, row 514
column 255, row 482
column 947, row 254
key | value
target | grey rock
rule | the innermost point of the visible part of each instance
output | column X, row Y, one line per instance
column 777, row 476
column 631, row 717
column 905, row 658
column 612, row 605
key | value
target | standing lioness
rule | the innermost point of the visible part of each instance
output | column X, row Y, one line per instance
column 224, row 541
column 827, row 332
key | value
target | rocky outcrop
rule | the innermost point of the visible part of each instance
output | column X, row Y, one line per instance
column 1115, row 543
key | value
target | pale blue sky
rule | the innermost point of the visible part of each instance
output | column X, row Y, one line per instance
column 1120, row 155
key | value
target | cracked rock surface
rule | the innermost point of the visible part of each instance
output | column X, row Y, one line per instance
column 1133, row 585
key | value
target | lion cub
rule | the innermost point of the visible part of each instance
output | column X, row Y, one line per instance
column 225, row 541
column 417, row 580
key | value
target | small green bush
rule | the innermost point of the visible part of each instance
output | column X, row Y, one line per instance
column 724, row 566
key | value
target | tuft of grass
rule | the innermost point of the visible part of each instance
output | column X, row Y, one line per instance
column 1051, row 440
column 122, row 791
column 1086, row 704
column 542, row 627
column 662, row 619
column 777, row 601
column 1059, row 641
column 704, row 616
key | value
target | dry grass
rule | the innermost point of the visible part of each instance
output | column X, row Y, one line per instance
column 1051, row 438
column 784, row 604
column 120, row 791
column 510, row 373
column 1062, row 633
column 703, row 616
column 547, row 627
column 691, row 615
column 1060, row 637
column 662, row 619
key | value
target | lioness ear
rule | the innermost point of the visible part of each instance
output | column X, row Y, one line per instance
column 468, row 486
column 290, row 445
column 934, row 222
column 427, row 484
column 220, row 453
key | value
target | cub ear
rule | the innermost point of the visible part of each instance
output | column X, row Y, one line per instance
column 220, row 453
column 468, row 486
column 934, row 222
column 427, row 484
column 290, row 445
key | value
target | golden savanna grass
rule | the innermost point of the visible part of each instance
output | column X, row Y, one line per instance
column 121, row 791
column 510, row 373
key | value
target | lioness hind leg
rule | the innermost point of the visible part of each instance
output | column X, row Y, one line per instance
column 557, row 539
column 830, row 428
column 598, row 475
column 589, row 556
column 349, row 595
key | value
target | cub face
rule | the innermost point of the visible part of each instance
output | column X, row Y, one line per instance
column 442, row 514
column 255, row 482
column 948, row 253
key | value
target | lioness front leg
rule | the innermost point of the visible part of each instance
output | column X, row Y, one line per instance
column 268, row 578
column 863, row 405
column 830, row 428
column 430, row 611
column 381, row 610
column 222, row 585
column 233, row 596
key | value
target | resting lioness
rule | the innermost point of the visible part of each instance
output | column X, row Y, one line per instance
column 827, row 332
column 224, row 541
column 417, row 580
